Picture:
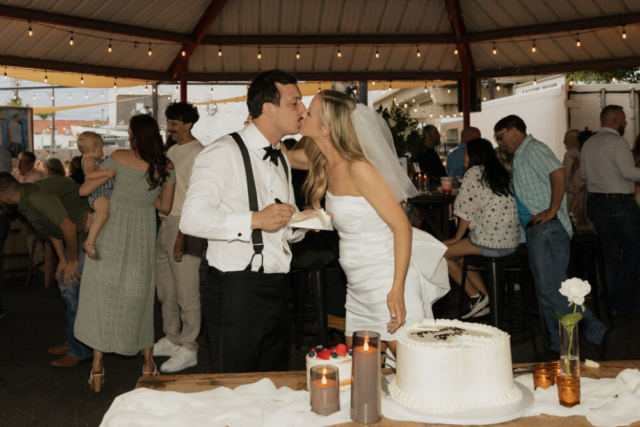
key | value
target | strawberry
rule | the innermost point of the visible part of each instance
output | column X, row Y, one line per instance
column 341, row 349
column 324, row 354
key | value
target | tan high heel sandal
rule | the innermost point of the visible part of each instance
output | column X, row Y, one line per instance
column 96, row 381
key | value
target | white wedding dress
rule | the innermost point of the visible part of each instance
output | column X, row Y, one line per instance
column 367, row 258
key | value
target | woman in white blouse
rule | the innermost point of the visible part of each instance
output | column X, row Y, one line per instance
column 486, row 207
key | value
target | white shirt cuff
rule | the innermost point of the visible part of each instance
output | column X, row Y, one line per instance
column 238, row 225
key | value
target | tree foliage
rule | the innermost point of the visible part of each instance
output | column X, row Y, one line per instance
column 621, row 75
column 407, row 138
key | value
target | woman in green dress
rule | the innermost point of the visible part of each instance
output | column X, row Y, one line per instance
column 115, row 312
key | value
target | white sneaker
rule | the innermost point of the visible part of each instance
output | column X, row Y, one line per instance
column 182, row 359
column 165, row 348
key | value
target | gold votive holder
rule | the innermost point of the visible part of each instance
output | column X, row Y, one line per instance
column 366, row 379
column 555, row 366
column 325, row 389
column 543, row 376
column 568, row 390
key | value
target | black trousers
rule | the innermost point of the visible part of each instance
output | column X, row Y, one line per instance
column 247, row 318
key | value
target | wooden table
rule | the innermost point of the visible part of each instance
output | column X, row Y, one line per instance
column 297, row 381
column 440, row 204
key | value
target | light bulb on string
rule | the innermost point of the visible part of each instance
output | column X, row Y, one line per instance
column 150, row 51
column 624, row 33
column 431, row 115
column 415, row 109
column 259, row 53
column 377, row 53
column 71, row 39
column 86, row 95
column 373, row 82
column 45, row 76
column 30, row 30
column 5, row 73
column 455, row 51
column 533, row 48
column 355, row 91
column 115, row 83
column 69, row 95
column 298, row 53
column 426, row 90
column 154, row 89
column 495, row 51
column 339, row 53
column 34, row 95
column 498, row 86
column 81, row 78
column 184, row 53
column 571, row 82
column 417, row 51
column 219, row 50
column 109, row 49
column 210, row 92
column 129, row 90
column 578, row 44
column 535, row 80
column 101, row 94
column 613, row 79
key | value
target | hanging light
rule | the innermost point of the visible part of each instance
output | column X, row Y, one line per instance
column 448, row 90
column 535, row 80
column 34, row 95
column 211, row 91
column 373, row 82
column 45, row 76
column 109, row 49
column 495, row 51
column 176, row 89
column 417, row 51
column 150, row 51
column 571, row 82
column 377, row 53
column 355, row 91
column 146, row 87
column 154, row 89
column 319, row 87
column 129, row 90
column 219, row 50
column 455, row 51
column 298, row 53
column 426, row 90
column 624, row 33
column 613, row 79
column 71, row 39
column 5, row 73
column 69, row 95
column 415, row 109
column 101, row 94
column 259, row 53
column 86, row 95
column 184, row 53
column 431, row 115
column 484, row 98
column 30, row 30
column 578, row 40
column 115, row 83
column 339, row 53
column 533, row 48
column 498, row 86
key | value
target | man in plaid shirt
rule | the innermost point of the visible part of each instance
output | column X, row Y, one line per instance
column 538, row 183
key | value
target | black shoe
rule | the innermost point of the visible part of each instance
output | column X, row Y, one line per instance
column 477, row 307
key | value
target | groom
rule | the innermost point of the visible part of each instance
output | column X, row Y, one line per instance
column 240, row 198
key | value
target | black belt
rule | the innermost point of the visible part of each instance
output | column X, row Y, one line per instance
column 611, row 195
column 531, row 223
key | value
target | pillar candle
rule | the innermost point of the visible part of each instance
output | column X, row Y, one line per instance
column 366, row 385
column 325, row 390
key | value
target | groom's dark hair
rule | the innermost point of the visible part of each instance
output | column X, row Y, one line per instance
column 263, row 89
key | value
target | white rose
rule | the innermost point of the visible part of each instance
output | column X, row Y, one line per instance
column 575, row 290
column 392, row 123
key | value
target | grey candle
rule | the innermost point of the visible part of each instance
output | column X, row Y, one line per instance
column 325, row 389
column 366, row 404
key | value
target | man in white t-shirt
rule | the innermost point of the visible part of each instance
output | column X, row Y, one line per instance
column 178, row 256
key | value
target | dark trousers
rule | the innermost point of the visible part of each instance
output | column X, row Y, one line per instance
column 247, row 318
column 617, row 222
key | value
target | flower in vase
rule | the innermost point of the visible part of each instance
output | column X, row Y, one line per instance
column 575, row 290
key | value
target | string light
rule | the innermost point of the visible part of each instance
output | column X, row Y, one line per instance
column 535, row 80
column 34, row 95
column 30, row 30
column 81, row 78
column 624, row 33
column 498, row 86
column 109, row 49
column 184, row 53
column 426, row 90
column 45, row 76
column 69, row 95
column 431, row 115
column 154, row 89
column 355, row 91
column 339, row 53
column 5, row 73
column 86, row 95
column 259, row 53
column 150, row 51
column 448, row 90
column 176, row 89
column 298, row 53
column 373, row 83
column 495, row 51
column 211, row 91
column 377, row 53
column 129, row 90
column 319, row 87
column 115, row 83
column 417, row 51
column 415, row 109
column 219, row 50
column 613, row 79
column 146, row 87
column 571, row 82
column 101, row 94
column 455, row 51
column 578, row 40
column 533, row 48
column 71, row 39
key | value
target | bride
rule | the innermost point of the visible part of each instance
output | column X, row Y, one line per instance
column 393, row 271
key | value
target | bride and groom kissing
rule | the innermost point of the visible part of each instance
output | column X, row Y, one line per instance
column 240, row 199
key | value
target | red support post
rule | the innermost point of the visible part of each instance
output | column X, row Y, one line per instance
column 183, row 81
column 466, row 94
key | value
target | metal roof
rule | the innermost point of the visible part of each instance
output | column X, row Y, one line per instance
column 318, row 30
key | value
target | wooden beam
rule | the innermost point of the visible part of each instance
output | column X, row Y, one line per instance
column 92, row 24
column 565, row 67
column 73, row 67
column 200, row 30
column 327, row 39
column 554, row 27
column 335, row 76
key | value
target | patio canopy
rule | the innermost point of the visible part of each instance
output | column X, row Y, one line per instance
column 319, row 40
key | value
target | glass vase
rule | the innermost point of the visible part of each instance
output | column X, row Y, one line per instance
column 569, row 351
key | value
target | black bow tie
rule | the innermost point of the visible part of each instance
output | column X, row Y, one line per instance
column 272, row 153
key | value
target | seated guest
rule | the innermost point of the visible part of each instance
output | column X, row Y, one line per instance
column 578, row 187
column 53, row 166
column 430, row 162
column 26, row 172
column 455, row 161
column 486, row 207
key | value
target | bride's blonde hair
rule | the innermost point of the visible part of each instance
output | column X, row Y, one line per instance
column 336, row 112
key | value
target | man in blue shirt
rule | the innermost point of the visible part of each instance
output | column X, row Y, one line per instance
column 538, row 183
column 455, row 161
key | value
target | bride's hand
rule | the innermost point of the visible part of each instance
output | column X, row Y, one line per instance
column 395, row 301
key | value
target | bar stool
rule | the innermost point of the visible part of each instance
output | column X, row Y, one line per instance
column 496, row 269
column 586, row 250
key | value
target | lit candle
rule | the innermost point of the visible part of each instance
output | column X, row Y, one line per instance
column 366, row 404
column 325, row 391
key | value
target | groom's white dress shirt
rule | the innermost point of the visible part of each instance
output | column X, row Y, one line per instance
column 217, row 204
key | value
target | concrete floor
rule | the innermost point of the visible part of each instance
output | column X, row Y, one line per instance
column 35, row 394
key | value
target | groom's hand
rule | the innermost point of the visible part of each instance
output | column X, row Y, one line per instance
column 273, row 217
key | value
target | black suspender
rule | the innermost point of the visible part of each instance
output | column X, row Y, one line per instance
column 256, row 234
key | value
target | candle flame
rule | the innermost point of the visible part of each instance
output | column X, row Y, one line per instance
column 324, row 370
column 324, row 379
column 366, row 343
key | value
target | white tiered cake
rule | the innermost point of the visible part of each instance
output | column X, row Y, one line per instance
column 451, row 366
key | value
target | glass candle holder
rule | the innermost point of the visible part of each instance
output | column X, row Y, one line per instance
column 556, row 368
column 366, row 384
column 569, row 391
column 447, row 184
column 325, row 389
column 543, row 376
